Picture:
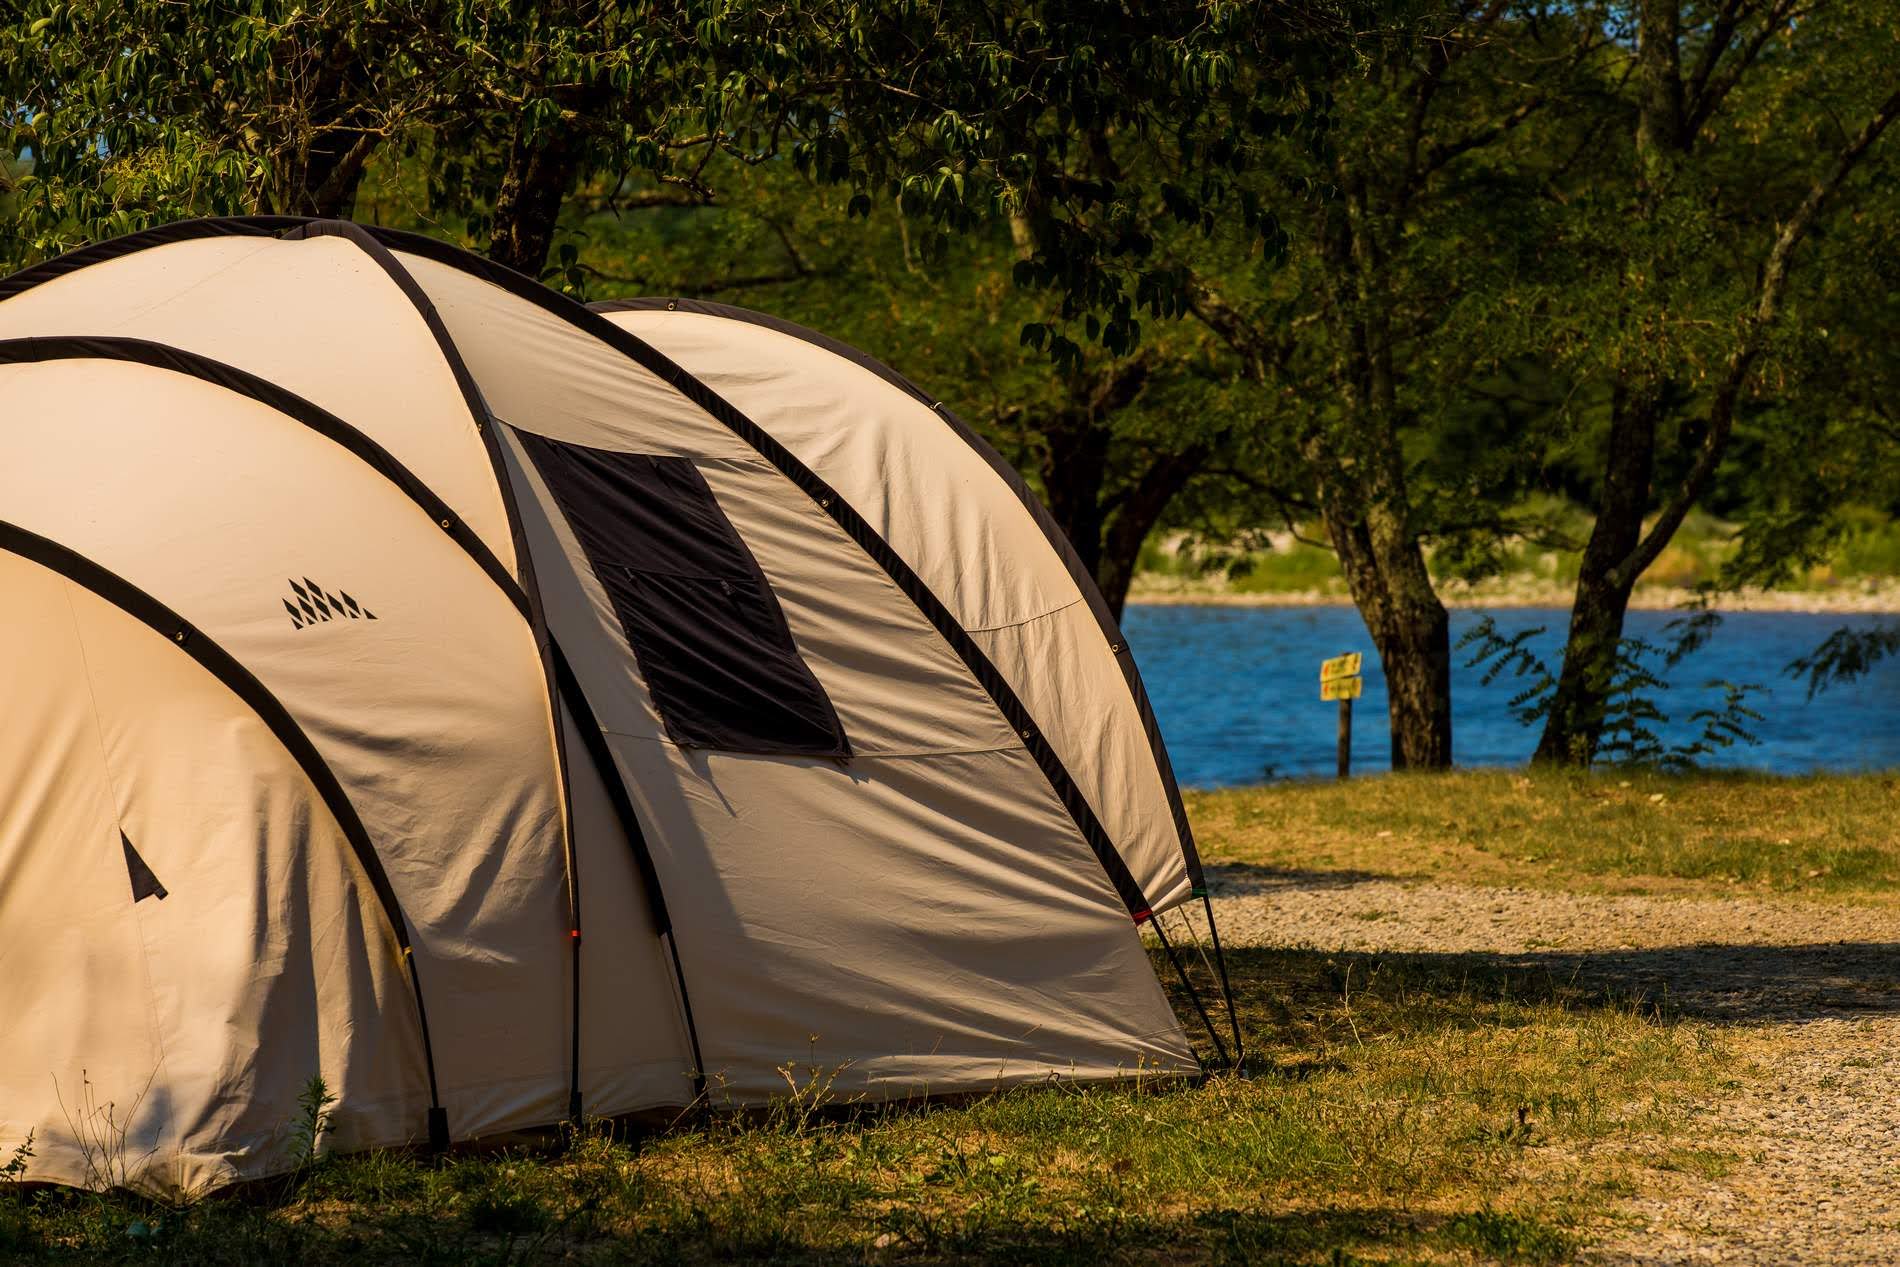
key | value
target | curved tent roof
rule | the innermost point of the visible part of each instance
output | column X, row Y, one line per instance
column 505, row 709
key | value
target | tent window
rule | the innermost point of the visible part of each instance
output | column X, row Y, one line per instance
column 701, row 618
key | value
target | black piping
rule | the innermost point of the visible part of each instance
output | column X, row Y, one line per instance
column 1226, row 989
column 1058, row 540
column 840, row 512
column 1194, row 995
column 484, row 421
column 242, row 683
column 132, row 243
column 324, row 423
column 594, row 739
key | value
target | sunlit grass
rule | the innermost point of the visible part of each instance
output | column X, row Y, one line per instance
column 1824, row 835
column 1399, row 1110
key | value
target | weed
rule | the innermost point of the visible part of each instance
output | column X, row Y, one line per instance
column 1510, row 1237
column 14, row 1172
column 315, row 1117
column 102, row 1133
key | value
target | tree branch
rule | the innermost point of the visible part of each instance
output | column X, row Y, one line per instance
column 1774, row 280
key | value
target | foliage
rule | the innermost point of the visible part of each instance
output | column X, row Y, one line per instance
column 14, row 1171
column 1631, row 714
column 1845, row 656
column 315, row 1118
column 1418, row 278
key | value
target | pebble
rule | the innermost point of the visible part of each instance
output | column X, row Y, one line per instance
column 1809, row 992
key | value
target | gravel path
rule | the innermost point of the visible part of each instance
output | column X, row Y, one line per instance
column 1812, row 990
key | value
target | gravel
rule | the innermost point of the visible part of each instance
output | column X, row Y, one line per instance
column 1809, row 991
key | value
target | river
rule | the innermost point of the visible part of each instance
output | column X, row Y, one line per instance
column 1236, row 691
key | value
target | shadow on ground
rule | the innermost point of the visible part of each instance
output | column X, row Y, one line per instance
column 1247, row 879
column 1276, row 987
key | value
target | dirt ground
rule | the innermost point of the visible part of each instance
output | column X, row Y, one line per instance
column 1809, row 993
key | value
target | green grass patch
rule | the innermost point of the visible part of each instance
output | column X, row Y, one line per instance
column 1438, row 1110
column 1834, row 836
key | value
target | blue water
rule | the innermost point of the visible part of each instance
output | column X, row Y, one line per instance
column 1236, row 691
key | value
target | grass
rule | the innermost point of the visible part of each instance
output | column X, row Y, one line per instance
column 1442, row 1111
column 1826, row 836
column 1866, row 552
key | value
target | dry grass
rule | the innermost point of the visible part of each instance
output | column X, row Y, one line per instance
column 1402, row 1111
column 1452, row 1108
column 1835, row 837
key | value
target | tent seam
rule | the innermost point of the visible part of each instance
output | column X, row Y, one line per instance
column 845, row 516
column 118, row 823
column 1012, row 479
column 1029, row 620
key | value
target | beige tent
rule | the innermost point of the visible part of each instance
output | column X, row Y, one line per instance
column 510, row 711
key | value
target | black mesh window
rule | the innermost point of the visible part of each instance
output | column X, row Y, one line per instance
column 702, row 620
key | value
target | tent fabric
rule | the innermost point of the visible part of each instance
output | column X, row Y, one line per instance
column 505, row 711
column 873, row 436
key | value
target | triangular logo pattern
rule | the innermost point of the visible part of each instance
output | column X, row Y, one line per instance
column 313, row 603
column 144, row 883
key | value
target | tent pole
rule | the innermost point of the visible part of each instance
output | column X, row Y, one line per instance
column 438, row 1116
column 1220, row 1048
column 1227, row 991
column 686, row 1007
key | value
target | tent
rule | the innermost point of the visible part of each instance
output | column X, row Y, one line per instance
column 509, row 711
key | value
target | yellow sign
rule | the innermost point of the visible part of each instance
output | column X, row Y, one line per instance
column 1342, row 688
column 1339, row 667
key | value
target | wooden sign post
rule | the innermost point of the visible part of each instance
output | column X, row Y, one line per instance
column 1339, row 679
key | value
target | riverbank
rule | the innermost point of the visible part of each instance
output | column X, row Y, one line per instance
column 1864, row 597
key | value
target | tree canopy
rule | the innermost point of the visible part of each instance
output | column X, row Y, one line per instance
column 1424, row 279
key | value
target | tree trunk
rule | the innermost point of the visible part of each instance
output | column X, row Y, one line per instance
column 332, row 173
column 1413, row 638
column 1107, row 524
column 1360, row 475
column 1605, row 578
column 1074, row 473
column 1386, row 575
column 1137, row 510
column 540, row 171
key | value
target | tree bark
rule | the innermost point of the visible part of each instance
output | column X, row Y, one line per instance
column 1108, row 520
column 1137, row 509
column 1385, row 573
column 1619, row 551
column 540, row 171
column 1574, row 725
column 1363, row 496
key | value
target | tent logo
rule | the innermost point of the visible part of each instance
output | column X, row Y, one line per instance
column 314, row 603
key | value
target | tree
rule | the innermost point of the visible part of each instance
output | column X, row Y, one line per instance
column 1110, row 443
column 1712, row 91
column 1389, row 318
column 138, row 112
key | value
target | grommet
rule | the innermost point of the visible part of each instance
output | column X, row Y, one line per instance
column 671, row 304
column 445, row 523
column 179, row 636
